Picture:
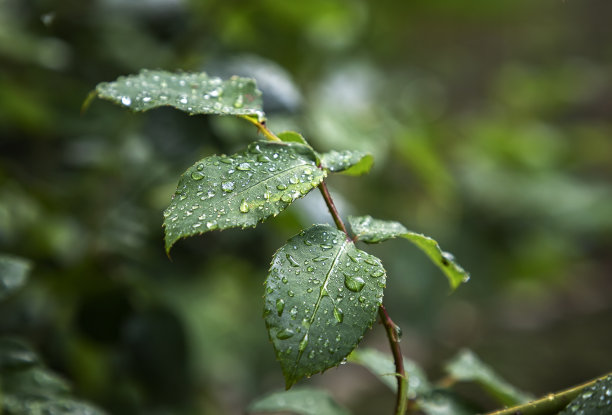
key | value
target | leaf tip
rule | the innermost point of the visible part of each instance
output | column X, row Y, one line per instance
column 88, row 100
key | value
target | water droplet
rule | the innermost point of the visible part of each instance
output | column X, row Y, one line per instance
column 239, row 102
column 285, row 334
column 290, row 293
column 281, row 186
column 293, row 312
column 183, row 100
column 309, row 290
column 263, row 159
column 280, row 306
column 293, row 180
column 361, row 299
column 377, row 274
column 325, row 246
column 127, row 101
column 311, row 354
column 339, row 315
column 196, row 175
column 320, row 259
column 244, row 167
column 244, row 206
column 292, row 261
column 284, row 280
column 370, row 261
column 228, row 186
column 303, row 343
column 286, row 198
column 354, row 284
column 310, row 269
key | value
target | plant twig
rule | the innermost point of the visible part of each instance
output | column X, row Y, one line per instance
column 549, row 404
column 332, row 208
column 401, row 402
column 261, row 126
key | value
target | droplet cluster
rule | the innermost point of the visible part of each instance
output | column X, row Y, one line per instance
column 195, row 93
column 329, row 293
column 596, row 399
column 221, row 192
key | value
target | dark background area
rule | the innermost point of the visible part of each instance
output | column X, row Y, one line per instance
column 490, row 126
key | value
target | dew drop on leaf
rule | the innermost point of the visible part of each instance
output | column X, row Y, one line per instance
column 354, row 284
column 280, row 306
column 285, row 334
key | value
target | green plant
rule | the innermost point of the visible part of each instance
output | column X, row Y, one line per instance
column 322, row 292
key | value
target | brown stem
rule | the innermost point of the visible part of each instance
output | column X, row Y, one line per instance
column 401, row 402
column 261, row 126
column 332, row 208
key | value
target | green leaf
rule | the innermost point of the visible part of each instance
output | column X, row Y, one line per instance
column 16, row 355
column 302, row 401
column 351, row 162
column 466, row 366
column 370, row 230
column 382, row 365
column 195, row 93
column 594, row 400
column 444, row 402
column 57, row 406
column 13, row 274
column 292, row 137
column 322, row 294
column 220, row 192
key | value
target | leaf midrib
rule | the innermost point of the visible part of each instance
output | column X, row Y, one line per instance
column 317, row 305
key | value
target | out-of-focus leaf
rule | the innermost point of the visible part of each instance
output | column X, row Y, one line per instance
column 34, row 383
column 442, row 402
column 61, row 406
column 15, row 355
column 302, row 401
column 195, row 93
column 322, row 294
column 292, row 137
column 13, row 274
column 466, row 366
column 220, row 192
column 382, row 365
column 594, row 400
column 351, row 162
column 370, row 230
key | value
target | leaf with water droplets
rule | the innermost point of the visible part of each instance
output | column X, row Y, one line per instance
column 330, row 292
column 466, row 366
column 351, row 162
column 221, row 192
column 370, row 230
column 195, row 93
column 382, row 365
column 302, row 401
column 13, row 274
column 592, row 400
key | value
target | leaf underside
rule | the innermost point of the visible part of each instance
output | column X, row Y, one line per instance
column 194, row 93
column 370, row 230
column 322, row 294
column 466, row 366
column 303, row 401
column 221, row 192
column 349, row 162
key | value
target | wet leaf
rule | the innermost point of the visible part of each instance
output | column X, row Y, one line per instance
column 194, row 93
column 13, row 274
column 221, row 192
column 56, row 406
column 370, row 230
column 322, row 294
column 351, row 162
column 382, row 365
column 302, row 401
column 466, row 366
column 594, row 400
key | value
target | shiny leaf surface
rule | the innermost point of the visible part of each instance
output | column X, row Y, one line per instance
column 221, row 192
column 322, row 294
column 370, row 230
column 194, row 93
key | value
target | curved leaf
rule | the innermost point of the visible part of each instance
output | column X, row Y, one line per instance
column 351, row 162
column 221, row 192
column 303, row 401
column 466, row 366
column 13, row 274
column 322, row 294
column 292, row 137
column 195, row 93
column 370, row 230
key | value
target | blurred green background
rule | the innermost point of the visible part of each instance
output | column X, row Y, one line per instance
column 490, row 123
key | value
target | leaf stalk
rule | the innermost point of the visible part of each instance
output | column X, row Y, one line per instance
column 401, row 402
column 261, row 126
